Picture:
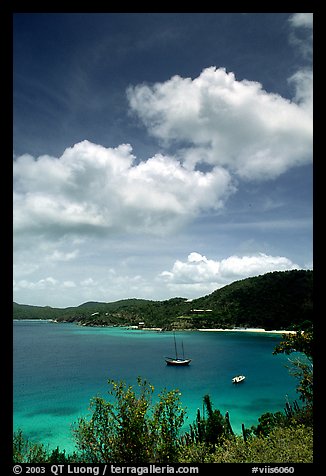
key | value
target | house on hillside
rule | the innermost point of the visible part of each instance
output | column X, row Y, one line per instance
column 200, row 311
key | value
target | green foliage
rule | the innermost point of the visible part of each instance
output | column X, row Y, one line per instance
column 211, row 428
column 278, row 300
column 304, row 372
column 283, row 445
column 25, row 451
column 168, row 418
column 131, row 429
column 290, row 445
column 267, row 422
column 301, row 341
column 293, row 415
column 57, row 456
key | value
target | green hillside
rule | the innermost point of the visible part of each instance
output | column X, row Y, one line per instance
column 277, row 300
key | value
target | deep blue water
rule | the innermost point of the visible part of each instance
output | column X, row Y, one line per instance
column 58, row 368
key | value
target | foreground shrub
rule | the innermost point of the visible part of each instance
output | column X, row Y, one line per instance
column 25, row 451
column 210, row 428
column 282, row 445
column 131, row 429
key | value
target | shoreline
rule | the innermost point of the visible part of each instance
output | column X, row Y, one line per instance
column 235, row 329
column 159, row 329
column 249, row 329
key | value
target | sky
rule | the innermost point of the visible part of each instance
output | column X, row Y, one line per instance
column 158, row 155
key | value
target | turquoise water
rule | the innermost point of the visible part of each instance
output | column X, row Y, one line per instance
column 58, row 368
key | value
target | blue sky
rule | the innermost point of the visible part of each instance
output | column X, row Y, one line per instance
column 159, row 154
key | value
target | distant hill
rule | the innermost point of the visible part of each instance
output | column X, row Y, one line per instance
column 25, row 311
column 277, row 300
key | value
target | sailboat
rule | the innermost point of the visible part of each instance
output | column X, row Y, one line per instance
column 177, row 360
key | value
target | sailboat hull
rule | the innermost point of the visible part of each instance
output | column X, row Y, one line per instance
column 177, row 362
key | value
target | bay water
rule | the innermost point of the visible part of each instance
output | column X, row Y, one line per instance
column 58, row 368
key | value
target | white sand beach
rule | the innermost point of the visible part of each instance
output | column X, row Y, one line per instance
column 248, row 329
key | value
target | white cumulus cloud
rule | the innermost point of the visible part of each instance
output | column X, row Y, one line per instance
column 302, row 20
column 301, row 35
column 219, row 120
column 198, row 273
column 91, row 188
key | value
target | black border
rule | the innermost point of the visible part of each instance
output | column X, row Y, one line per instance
column 7, row 9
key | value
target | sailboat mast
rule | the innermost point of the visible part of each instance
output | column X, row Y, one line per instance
column 175, row 346
column 183, row 351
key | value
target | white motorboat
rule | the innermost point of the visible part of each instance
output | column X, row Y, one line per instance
column 238, row 379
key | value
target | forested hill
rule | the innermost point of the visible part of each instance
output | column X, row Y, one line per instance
column 277, row 300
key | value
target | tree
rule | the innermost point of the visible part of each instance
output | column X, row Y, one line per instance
column 131, row 428
column 211, row 428
column 301, row 341
column 24, row 451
